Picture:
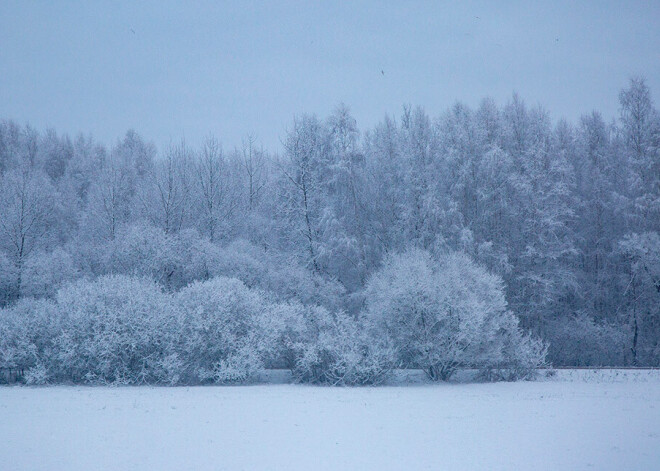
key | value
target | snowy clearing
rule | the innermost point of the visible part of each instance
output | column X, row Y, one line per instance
column 575, row 420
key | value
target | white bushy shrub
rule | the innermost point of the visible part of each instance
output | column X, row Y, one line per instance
column 28, row 331
column 520, row 354
column 123, row 330
column 116, row 331
column 444, row 313
column 223, row 322
column 37, row 375
column 243, row 261
column 199, row 258
column 332, row 348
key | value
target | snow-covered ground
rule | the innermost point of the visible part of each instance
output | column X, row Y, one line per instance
column 571, row 421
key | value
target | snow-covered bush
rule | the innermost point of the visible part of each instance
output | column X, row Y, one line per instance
column 332, row 348
column 123, row 330
column 116, row 331
column 445, row 313
column 223, row 330
column 37, row 375
column 243, row 261
column 28, row 330
column 520, row 354
column 291, row 281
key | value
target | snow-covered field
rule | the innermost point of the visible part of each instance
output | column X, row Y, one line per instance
column 574, row 420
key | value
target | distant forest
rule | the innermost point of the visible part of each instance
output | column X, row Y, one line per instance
column 562, row 218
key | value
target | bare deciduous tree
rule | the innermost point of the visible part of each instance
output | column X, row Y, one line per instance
column 27, row 202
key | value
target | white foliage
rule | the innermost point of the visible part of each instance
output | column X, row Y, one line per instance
column 115, row 330
column 333, row 348
column 223, row 338
column 442, row 314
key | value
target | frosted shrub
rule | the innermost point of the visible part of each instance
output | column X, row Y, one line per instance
column 169, row 368
column 515, row 355
column 240, row 366
column 333, row 348
column 527, row 355
column 27, row 333
column 199, row 257
column 37, row 375
column 243, row 261
column 224, row 338
column 116, row 331
column 444, row 314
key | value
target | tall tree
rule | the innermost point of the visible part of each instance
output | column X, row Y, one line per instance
column 253, row 164
column 301, row 190
column 165, row 198
column 27, row 204
column 640, row 123
column 216, row 197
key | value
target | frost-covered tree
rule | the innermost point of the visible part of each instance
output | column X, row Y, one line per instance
column 343, row 248
column 143, row 251
column 165, row 195
column 28, row 203
column 82, row 169
column 301, row 190
column 10, row 145
column 640, row 129
column 55, row 152
column 29, row 331
column 46, row 272
column 419, row 151
column 109, row 203
column 215, row 194
column 385, row 171
column 642, row 294
column 446, row 313
column 253, row 162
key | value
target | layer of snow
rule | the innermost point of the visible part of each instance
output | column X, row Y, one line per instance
column 563, row 422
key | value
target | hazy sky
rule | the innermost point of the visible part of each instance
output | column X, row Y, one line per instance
column 186, row 69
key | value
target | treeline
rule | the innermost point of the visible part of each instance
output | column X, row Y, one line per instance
column 566, row 214
column 435, row 315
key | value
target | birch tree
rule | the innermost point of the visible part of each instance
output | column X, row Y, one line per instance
column 27, row 204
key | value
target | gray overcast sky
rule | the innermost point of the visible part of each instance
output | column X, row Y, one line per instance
column 175, row 69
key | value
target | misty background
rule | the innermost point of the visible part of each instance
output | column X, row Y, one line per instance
column 178, row 69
